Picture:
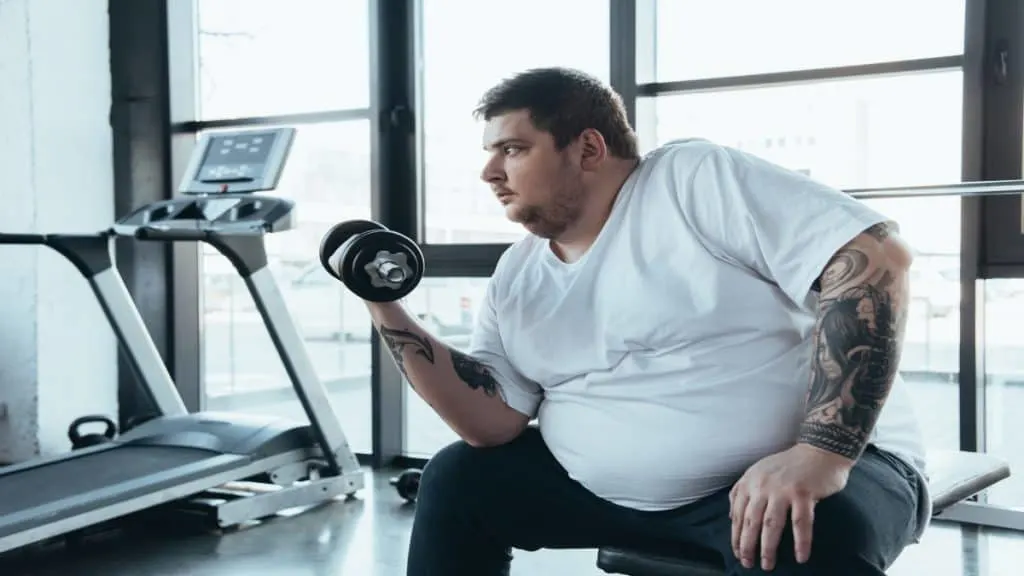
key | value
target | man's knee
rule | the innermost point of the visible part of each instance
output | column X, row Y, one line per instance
column 851, row 534
column 856, row 534
column 449, row 473
column 464, row 472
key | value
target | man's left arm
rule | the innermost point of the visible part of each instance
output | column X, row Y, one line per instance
column 805, row 236
column 858, row 337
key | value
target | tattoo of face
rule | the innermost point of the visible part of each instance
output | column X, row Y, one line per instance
column 398, row 340
column 855, row 358
column 475, row 373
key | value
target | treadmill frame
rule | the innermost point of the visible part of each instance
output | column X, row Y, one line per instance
column 93, row 256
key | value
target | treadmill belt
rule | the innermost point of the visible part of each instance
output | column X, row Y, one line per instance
column 37, row 486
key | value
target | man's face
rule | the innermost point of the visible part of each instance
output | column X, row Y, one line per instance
column 540, row 186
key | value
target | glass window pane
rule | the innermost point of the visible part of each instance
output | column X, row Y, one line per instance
column 462, row 58
column 447, row 307
column 265, row 57
column 700, row 39
column 243, row 371
column 884, row 131
column 893, row 131
column 1004, row 384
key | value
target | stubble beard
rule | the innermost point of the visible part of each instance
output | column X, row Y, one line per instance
column 552, row 220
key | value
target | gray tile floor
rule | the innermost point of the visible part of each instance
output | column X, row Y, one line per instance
column 368, row 536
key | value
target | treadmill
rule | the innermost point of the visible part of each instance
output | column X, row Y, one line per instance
column 234, row 467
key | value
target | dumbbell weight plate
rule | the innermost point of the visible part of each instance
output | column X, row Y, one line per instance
column 340, row 234
column 363, row 249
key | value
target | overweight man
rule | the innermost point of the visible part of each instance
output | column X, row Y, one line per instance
column 708, row 343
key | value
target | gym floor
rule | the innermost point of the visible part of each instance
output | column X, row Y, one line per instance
column 368, row 536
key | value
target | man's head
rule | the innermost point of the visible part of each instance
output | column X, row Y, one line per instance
column 552, row 136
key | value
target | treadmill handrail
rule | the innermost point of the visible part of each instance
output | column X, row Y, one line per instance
column 310, row 390
column 92, row 255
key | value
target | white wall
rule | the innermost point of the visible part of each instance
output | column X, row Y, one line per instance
column 57, row 353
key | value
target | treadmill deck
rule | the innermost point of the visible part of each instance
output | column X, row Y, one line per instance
column 76, row 485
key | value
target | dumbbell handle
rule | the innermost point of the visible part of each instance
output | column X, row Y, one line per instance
column 390, row 271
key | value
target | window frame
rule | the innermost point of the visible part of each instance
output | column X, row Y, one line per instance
column 993, row 139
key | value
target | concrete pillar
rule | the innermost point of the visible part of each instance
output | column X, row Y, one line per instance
column 58, row 355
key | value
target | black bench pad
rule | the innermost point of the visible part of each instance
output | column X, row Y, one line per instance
column 953, row 476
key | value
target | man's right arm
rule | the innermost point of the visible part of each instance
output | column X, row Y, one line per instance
column 463, row 390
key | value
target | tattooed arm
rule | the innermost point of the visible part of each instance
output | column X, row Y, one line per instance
column 858, row 338
column 463, row 390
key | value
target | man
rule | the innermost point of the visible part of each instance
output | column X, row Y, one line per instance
column 709, row 343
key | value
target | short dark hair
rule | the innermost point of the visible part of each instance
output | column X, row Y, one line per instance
column 564, row 102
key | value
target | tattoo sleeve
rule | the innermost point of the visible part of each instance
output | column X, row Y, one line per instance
column 857, row 343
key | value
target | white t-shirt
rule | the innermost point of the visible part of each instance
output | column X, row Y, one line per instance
column 676, row 352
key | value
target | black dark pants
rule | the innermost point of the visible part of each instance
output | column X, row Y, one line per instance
column 475, row 504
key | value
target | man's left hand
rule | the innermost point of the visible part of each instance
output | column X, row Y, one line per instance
column 783, row 484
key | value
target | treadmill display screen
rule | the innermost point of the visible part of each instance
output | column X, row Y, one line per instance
column 237, row 161
column 236, row 157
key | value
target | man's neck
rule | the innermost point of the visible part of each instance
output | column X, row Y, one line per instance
column 574, row 242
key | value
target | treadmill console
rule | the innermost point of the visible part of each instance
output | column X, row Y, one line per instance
column 237, row 161
column 226, row 168
column 197, row 218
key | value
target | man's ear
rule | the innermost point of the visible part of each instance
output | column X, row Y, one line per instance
column 593, row 149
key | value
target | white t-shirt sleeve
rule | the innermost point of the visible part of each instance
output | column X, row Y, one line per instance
column 486, row 346
column 779, row 223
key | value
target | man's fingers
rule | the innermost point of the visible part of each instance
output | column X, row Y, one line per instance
column 750, row 535
column 803, row 528
column 736, row 513
column 774, row 523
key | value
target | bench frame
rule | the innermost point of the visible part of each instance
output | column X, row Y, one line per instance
column 981, row 514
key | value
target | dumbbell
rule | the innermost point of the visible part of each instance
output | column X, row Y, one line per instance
column 376, row 264
column 407, row 484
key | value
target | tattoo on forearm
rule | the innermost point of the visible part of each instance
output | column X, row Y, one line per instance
column 398, row 340
column 856, row 351
column 475, row 373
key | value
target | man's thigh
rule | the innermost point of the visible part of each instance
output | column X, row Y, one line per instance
column 516, row 495
column 858, row 532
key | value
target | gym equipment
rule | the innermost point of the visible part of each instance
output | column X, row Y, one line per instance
column 79, row 440
column 376, row 264
column 965, row 189
column 233, row 468
column 407, row 483
column 953, row 477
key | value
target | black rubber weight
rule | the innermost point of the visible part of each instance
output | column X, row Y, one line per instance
column 364, row 251
column 52, row 482
column 337, row 236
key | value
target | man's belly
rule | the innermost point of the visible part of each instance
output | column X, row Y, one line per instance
column 656, row 453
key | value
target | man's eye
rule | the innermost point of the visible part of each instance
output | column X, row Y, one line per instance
column 510, row 149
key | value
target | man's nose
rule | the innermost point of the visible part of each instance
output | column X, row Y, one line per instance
column 492, row 172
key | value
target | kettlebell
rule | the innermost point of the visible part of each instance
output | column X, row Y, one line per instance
column 79, row 440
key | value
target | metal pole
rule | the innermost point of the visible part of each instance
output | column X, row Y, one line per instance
column 992, row 188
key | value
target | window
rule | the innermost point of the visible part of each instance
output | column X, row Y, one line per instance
column 1004, row 383
column 328, row 176
column 260, row 57
column 468, row 46
column 872, row 132
column 447, row 307
column 696, row 39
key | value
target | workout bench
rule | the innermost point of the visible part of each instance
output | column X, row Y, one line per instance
column 953, row 477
